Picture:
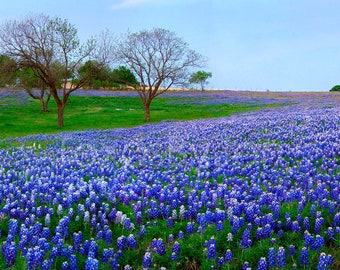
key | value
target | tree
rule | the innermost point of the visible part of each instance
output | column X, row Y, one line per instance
column 159, row 59
column 100, row 75
column 335, row 88
column 7, row 71
column 29, row 80
column 200, row 77
column 123, row 76
column 50, row 46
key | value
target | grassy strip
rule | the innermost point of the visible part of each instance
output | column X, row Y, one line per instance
column 85, row 112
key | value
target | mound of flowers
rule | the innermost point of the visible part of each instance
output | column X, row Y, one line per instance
column 255, row 191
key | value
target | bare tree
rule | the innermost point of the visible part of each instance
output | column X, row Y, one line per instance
column 51, row 47
column 159, row 59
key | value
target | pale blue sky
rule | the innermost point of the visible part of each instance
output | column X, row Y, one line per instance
column 282, row 45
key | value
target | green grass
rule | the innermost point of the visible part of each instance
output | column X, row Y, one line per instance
column 82, row 113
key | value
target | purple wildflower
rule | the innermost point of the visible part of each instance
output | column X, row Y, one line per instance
column 281, row 257
column 304, row 257
column 147, row 260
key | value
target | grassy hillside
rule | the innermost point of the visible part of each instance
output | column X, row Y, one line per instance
column 85, row 112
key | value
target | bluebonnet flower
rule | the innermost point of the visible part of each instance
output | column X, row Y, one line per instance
column 65, row 266
column 246, row 266
column 121, row 242
column 73, row 262
column 292, row 250
column 93, row 247
column 46, row 265
column 304, row 257
column 180, row 235
column 34, row 257
column 87, row 217
column 93, row 221
column 22, row 242
column 174, row 256
column 170, row 222
column 267, row 231
column 336, row 219
column 246, row 242
column 13, row 227
column 273, row 240
column 219, row 226
column 308, row 238
column 142, row 231
column 190, row 228
column 176, row 248
column 288, row 223
column 312, row 212
column 147, row 260
column 46, row 233
column 271, row 258
column 114, row 264
column 259, row 233
column 139, row 217
column 59, row 210
column 330, row 259
column 160, row 247
column 112, row 215
column 171, row 238
column 220, row 262
column 330, row 233
column 228, row 256
column 131, row 241
column 106, row 235
column 77, row 239
column 324, row 261
column 262, row 264
column 306, row 223
column 9, row 251
column 43, row 244
column 108, row 254
column 127, row 224
column 318, row 225
column 300, row 207
column 235, row 225
column 318, row 243
column 211, row 252
column 281, row 257
column 296, row 226
column 91, row 264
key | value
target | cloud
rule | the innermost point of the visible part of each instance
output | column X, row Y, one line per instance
column 130, row 3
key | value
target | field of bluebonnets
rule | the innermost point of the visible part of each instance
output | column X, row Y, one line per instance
column 258, row 190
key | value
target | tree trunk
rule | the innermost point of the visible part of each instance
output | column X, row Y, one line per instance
column 44, row 103
column 147, row 112
column 61, row 115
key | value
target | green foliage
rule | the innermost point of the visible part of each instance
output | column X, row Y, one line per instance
column 105, row 78
column 7, row 71
column 335, row 88
column 28, row 79
column 99, row 76
column 124, row 76
column 200, row 77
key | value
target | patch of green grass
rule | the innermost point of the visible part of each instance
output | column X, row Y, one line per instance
column 85, row 112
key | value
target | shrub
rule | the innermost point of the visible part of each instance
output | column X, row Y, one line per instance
column 335, row 88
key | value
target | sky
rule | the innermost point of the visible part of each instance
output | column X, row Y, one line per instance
column 259, row 45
